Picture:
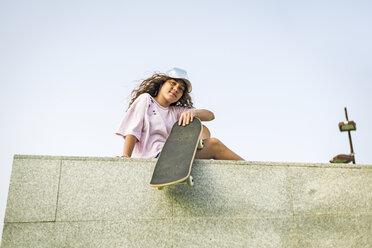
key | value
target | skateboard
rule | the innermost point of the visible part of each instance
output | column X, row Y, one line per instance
column 177, row 156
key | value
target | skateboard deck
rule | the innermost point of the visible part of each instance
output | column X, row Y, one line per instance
column 177, row 156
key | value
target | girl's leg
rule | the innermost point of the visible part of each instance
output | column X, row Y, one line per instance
column 215, row 149
column 205, row 133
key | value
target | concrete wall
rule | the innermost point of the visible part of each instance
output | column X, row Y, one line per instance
column 107, row 202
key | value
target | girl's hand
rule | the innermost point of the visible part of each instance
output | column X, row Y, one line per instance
column 123, row 156
column 186, row 118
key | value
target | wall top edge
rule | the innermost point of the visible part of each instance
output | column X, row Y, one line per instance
column 198, row 161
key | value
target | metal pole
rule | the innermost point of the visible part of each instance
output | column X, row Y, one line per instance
column 347, row 118
column 351, row 143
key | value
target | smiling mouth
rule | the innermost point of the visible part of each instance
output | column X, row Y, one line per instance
column 173, row 94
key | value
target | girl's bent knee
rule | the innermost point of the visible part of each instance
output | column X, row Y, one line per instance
column 214, row 142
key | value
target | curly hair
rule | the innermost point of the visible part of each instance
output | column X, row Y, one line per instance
column 152, row 85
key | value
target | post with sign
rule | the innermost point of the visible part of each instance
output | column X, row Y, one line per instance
column 346, row 126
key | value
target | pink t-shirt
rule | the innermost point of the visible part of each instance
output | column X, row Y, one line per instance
column 150, row 123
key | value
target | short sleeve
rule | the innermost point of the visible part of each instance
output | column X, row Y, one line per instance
column 133, row 120
column 179, row 110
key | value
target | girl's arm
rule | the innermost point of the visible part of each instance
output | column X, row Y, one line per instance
column 130, row 141
column 188, row 116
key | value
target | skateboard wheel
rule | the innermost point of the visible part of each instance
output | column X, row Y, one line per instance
column 190, row 181
column 200, row 144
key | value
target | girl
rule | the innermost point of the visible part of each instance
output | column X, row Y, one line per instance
column 155, row 106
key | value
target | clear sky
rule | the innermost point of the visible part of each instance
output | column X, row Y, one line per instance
column 276, row 74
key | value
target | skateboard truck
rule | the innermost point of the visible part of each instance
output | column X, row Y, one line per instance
column 346, row 126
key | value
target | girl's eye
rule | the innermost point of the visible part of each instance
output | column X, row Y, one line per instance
column 179, row 88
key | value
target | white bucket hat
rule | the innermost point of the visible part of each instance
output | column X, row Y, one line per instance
column 178, row 73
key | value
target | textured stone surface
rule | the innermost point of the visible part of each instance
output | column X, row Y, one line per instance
column 233, row 191
column 213, row 232
column 331, row 190
column 107, row 202
column 33, row 190
column 109, row 190
column 38, row 235
column 131, row 233
column 334, row 231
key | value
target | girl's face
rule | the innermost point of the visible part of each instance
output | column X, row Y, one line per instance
column 172, row 90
